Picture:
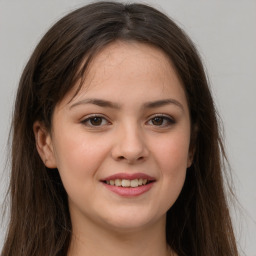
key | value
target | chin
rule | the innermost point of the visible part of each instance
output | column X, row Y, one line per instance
column 130, row 221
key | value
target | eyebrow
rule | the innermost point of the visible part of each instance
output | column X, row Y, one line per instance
column 109, row 104
column 160, row 103
column 98, row 102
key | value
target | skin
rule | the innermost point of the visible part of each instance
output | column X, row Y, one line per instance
column 126, row 137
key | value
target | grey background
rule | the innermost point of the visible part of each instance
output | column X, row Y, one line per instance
column 225, row 34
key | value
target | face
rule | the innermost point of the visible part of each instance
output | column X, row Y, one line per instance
column 122, row 144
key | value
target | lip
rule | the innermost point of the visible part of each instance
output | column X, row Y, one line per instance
column 129, row 176
column 129, row 191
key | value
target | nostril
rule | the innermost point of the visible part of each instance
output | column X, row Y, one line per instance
column 123, row 158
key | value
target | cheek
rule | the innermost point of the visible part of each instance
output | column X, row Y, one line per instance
column 79, row 159
column 173, row 154
column 78, row 155
column 172, row 159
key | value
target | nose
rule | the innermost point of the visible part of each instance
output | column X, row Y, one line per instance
column 130, row 145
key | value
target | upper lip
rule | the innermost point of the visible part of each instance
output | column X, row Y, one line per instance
column 129, row 176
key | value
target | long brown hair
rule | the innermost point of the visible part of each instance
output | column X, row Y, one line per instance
column 199, row 222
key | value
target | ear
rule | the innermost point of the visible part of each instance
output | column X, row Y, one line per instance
column 190, row 158
column 44, row 144
column 192, row 146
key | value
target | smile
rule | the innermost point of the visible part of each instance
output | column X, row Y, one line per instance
column 127, row 183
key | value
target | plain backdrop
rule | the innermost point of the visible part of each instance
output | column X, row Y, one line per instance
column 225, row 34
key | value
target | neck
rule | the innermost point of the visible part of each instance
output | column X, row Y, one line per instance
column 97, row 241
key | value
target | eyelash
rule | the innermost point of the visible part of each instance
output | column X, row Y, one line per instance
column 88, row 121
column 166, row 121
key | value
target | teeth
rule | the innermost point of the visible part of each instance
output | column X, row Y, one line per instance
column 134, row 183
column 127, row 183
column 118, row 182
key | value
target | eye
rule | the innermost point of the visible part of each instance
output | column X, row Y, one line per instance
column 161, row 121
column 94, row 121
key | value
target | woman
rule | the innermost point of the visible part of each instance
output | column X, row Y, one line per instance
column 116, row 147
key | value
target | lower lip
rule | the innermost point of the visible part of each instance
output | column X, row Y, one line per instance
column 129, row 192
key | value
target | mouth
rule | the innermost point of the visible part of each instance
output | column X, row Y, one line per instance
column 129, row 185
column 126, row 183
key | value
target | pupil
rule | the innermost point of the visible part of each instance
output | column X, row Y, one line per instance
column 157, row 121
column 96, row 121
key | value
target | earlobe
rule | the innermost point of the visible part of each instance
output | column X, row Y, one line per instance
column 190, row 157
column 44, row 144
column 192, row 147
column 190, row 160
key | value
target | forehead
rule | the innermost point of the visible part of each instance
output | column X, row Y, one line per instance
column 130, row 58
column 129, row 66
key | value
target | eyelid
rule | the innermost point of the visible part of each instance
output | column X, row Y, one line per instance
column 160, row 115
column 169, row 119
column 87, row 118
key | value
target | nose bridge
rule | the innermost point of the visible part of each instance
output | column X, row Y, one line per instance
column 130, row 144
